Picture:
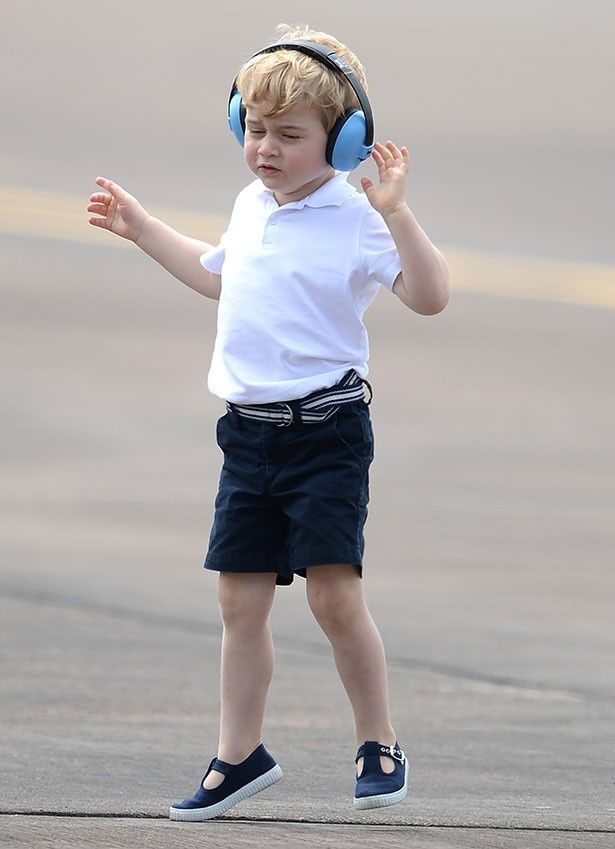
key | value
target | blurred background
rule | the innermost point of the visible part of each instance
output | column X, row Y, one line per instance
column 505, row 107
column 491, row 536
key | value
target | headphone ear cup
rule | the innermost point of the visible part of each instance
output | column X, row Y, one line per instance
column 346, row 146
column 237, row 117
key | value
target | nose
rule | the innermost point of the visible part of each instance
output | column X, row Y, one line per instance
column 267, row 145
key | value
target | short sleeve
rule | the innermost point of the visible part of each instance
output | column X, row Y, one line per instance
column 213, row 260
column 378, row 252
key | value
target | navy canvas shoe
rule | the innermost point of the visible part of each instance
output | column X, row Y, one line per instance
column 376, row 788
column 258, row 771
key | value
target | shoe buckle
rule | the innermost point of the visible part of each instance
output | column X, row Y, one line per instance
column 394, row 752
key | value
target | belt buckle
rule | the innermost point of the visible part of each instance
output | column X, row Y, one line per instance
column 290, row 421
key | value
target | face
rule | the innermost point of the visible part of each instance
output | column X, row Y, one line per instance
column 287, row 151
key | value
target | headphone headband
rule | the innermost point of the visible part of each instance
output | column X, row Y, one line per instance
column 351, row 139
column 327, row 56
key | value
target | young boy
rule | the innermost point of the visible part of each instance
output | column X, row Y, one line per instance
column 303, row 257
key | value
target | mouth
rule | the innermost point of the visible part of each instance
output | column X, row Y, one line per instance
column 268, row 169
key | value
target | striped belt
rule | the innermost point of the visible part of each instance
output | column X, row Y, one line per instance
column 316, row 407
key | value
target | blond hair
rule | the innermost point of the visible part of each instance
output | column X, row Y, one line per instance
column 284, row 78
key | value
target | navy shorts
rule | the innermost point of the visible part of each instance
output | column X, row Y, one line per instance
column 291, row 497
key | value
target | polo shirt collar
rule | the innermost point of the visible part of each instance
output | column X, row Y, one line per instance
column 332, row 193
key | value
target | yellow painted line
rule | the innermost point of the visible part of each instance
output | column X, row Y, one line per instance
column 532, row 277
column 55, row 215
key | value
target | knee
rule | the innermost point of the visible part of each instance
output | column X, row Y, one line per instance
column 335, row 604
column 244, row 603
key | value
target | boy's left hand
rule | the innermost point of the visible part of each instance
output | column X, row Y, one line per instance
column 393, row 165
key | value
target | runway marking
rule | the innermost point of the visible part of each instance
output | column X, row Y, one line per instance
column 514, row 276
column 56, row 215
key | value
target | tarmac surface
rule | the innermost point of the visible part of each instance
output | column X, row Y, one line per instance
column 488, row 569
column 490, row 539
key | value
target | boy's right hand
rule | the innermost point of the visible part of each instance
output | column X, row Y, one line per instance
column 121, row 213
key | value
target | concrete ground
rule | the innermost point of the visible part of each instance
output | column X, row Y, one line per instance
column 489, row 561
column 488, row 569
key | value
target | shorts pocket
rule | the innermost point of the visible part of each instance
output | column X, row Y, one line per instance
column 354, row 429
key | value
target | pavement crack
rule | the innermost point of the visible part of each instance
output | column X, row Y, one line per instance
column 124, row 815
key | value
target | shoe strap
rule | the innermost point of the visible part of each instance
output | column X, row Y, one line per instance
column 372, row 747
column 219, row 766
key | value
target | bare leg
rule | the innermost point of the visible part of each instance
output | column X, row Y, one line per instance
column 335, row 596
column 246, row 665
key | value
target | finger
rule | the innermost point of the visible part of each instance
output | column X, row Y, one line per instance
column 99, row 208
column 369, row 189
column 382, row 157
column 112, row 188
column 98, row 222
column 98, row 197
column 378, row 158
column 382, row 150
column 394, row 150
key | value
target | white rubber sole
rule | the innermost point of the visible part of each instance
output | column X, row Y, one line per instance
column 201, row 814
column 383, row 801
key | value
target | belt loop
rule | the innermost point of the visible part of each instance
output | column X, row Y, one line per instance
column 371, row 391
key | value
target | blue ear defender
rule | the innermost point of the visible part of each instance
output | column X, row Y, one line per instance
column 237, row 116
column 351, row 139
column 346, row 146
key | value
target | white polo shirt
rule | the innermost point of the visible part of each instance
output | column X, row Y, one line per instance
column 296, row 281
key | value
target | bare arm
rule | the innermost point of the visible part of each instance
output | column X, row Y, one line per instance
column 423, row 284
column 179, row 254
column 123, row 215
